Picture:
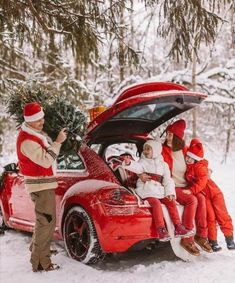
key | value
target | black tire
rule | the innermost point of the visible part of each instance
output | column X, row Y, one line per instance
column 3, row 226
column 80, row 237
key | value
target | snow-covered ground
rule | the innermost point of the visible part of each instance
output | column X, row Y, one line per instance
column 157, row 265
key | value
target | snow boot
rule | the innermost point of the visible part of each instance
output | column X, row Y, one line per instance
column 52, row 266
column 163, row 235
column 230, row 243
column 36, row 269
column 203, row 243
column 181, row 231
column 190, row 247
column 215, row 246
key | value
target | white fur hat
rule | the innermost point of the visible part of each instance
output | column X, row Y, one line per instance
column 156, row 147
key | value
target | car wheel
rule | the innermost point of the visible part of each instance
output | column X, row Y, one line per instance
column 80, row 237
column 3, row 226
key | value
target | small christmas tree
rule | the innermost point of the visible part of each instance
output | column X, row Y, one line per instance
column 59, row 114
column 62, row 114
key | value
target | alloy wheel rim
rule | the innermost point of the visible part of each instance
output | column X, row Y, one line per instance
column 77, row 236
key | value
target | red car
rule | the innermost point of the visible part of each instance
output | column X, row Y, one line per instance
column 98, row 211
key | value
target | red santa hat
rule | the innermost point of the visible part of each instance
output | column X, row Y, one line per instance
column 33, row 112
column 195, row 150
column 177, row 128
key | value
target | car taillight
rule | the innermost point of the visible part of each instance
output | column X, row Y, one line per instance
column 117, row 197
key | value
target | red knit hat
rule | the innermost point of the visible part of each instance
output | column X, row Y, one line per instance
column 195, row 150
column 33, row 112
column 177, row 128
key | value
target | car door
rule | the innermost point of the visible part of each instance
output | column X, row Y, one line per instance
column 22, row 207
column 69, row 170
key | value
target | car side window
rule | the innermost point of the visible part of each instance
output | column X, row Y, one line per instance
column 120, row 148
column 96, row 147
column 70, row 162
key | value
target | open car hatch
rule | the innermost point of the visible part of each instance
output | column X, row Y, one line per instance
column 140, row 109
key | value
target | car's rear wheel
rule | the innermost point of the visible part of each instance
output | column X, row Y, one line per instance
column 80, row 237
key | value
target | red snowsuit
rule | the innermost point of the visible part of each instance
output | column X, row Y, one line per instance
column 188, row 201
column 197, row 175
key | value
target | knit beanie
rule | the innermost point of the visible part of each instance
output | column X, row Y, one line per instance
column 33, row 112
column 177, row 128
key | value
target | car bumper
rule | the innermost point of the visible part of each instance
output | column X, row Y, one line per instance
column 120, row 228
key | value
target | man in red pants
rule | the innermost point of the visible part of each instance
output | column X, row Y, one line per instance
column 197, row 175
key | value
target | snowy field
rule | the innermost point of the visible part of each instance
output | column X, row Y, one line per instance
column 157, row 265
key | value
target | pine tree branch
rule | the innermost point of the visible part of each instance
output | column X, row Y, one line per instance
column 16, row 52
column 11, row 69
column 42, row 22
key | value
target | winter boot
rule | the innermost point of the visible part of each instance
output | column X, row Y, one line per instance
column 52, row 266
column 203, row 243
column 230, row 243
column 163, row 235
column 215, row 246
column 181, row 231
column 190, row 247
column 36, row 269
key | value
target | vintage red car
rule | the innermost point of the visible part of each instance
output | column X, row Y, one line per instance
column 97, row 210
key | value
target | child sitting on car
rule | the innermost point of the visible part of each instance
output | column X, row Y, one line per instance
column 158, row 189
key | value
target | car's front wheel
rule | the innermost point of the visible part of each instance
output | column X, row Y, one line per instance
column 3, row 226
column 80, row 236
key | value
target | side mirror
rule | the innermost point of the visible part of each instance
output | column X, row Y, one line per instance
column 12, row 167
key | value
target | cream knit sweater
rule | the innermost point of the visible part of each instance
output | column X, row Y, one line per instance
column 43, row 157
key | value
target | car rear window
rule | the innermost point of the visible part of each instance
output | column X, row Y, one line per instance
column 148, row 112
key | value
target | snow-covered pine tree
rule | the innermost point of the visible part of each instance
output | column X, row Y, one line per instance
column 59, row 113
column 62, row 114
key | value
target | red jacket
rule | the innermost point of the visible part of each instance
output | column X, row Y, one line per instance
column 197, row 176
column 28, row 167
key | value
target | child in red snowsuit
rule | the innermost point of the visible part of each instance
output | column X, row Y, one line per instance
column 200, row 183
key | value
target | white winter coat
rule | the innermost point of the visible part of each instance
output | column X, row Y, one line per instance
column 156, row 166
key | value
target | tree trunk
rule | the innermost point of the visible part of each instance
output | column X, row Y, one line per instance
column 131, row 42
column 194, row 123
column 233, row 30
column 121, row 56
column 229, row 133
